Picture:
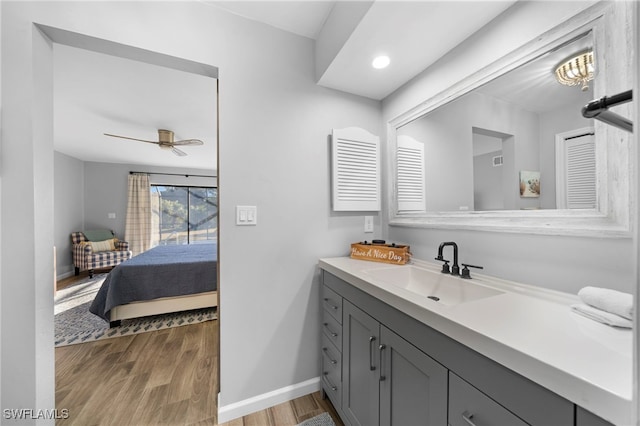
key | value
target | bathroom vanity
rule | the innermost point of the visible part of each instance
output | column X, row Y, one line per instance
column 407, row 345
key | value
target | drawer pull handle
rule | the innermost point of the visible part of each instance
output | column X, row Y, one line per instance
column 466, row 416
column 334, row 307
column 371, row 340
column 382, row 347
column 333, row 334
column 333, row 387
column 332, row 361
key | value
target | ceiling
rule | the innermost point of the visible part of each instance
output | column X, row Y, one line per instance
column 97, row 93
column 533, row 85
column 414, row 34
column 302, row 17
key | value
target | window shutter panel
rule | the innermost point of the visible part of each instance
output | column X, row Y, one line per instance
column 356, row 170
column 581, row 173
column 410, row 169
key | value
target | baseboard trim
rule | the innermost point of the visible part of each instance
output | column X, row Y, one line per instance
column 65, row 275
column 238, row 409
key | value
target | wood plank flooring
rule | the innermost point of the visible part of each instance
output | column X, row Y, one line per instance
column 163, row 377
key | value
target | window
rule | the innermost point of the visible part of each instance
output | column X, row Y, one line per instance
column 184, row 214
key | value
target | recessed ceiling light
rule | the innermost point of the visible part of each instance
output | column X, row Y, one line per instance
column 380, row 62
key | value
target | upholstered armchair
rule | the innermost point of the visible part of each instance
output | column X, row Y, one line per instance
column 97, row 249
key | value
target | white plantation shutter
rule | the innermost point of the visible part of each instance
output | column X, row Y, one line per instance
column 356, row 170
column 576, row 184
column 410, row 169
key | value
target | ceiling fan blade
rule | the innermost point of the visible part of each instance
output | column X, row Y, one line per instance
column 188, row 142
column 178, row 152
column 133, row 139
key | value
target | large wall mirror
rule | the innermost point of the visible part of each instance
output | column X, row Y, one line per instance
column 508, row 148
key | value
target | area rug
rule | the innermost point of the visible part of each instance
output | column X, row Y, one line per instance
column 323, row 419
column 75, row 324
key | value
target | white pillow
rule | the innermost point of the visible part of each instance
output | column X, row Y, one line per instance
column 106, row 245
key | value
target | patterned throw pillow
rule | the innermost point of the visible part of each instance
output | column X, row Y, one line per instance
column 106, row 245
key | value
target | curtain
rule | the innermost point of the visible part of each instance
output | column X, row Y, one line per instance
column 138, row 224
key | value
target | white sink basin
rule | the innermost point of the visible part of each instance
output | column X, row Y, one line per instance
column 440, row 288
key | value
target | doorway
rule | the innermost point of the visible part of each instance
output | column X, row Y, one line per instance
column 576, row 185
column 97, row 195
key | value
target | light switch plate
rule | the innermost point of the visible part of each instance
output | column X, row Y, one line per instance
column 246, row 215
column 368, row 224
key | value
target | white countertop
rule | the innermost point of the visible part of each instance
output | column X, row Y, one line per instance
column 528, row 329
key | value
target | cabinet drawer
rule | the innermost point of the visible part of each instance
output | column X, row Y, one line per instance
column 585, row 418
column 469, row 406
column 331, row 370
column 332, row 329
column 332, row 303
column 333, row 391
column 331, row 361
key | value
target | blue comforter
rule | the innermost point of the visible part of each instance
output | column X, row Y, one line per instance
column 163, row 271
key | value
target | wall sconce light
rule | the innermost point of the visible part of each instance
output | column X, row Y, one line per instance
column 576, row 70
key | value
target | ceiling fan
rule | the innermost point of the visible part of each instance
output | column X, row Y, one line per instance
column 165, row 141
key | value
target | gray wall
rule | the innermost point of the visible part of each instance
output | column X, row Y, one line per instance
column 448, row 137
column 106, row 190
column 86, row 192
column 552, row 123
column 487, row 179
column 68, row 202
column 274, row 153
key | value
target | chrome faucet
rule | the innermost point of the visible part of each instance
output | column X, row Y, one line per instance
column 455, row 269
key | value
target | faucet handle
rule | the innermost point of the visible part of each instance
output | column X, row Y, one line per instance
column 445, row 266
column 465, row 270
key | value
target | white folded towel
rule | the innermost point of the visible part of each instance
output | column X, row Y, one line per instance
column 601, row 316
column 613, row 301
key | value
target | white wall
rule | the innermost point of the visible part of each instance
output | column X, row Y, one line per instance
column 561, row 263
column 26, row 237
column 274, row 153
column 1, row 244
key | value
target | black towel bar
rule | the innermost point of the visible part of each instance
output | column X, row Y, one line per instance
column 599, row 109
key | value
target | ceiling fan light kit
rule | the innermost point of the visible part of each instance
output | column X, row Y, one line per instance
column 165, row 141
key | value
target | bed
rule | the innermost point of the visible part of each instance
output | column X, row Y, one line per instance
column 161, row 280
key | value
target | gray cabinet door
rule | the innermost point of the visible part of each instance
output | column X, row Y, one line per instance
column 413, row 387
column 360, row 396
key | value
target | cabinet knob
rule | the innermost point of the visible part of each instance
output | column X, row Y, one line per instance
column 466, row 416
column 334, row 307
column 331, row 360
column 332, row 386
column 333, row 334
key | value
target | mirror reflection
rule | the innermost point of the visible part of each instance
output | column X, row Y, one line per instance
column 518, row 142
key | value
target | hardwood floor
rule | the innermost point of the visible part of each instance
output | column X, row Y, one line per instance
column 162, row 377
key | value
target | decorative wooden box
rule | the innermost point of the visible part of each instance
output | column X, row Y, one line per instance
column 380, row 251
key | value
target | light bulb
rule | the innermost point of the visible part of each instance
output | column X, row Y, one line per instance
column 381, row 62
